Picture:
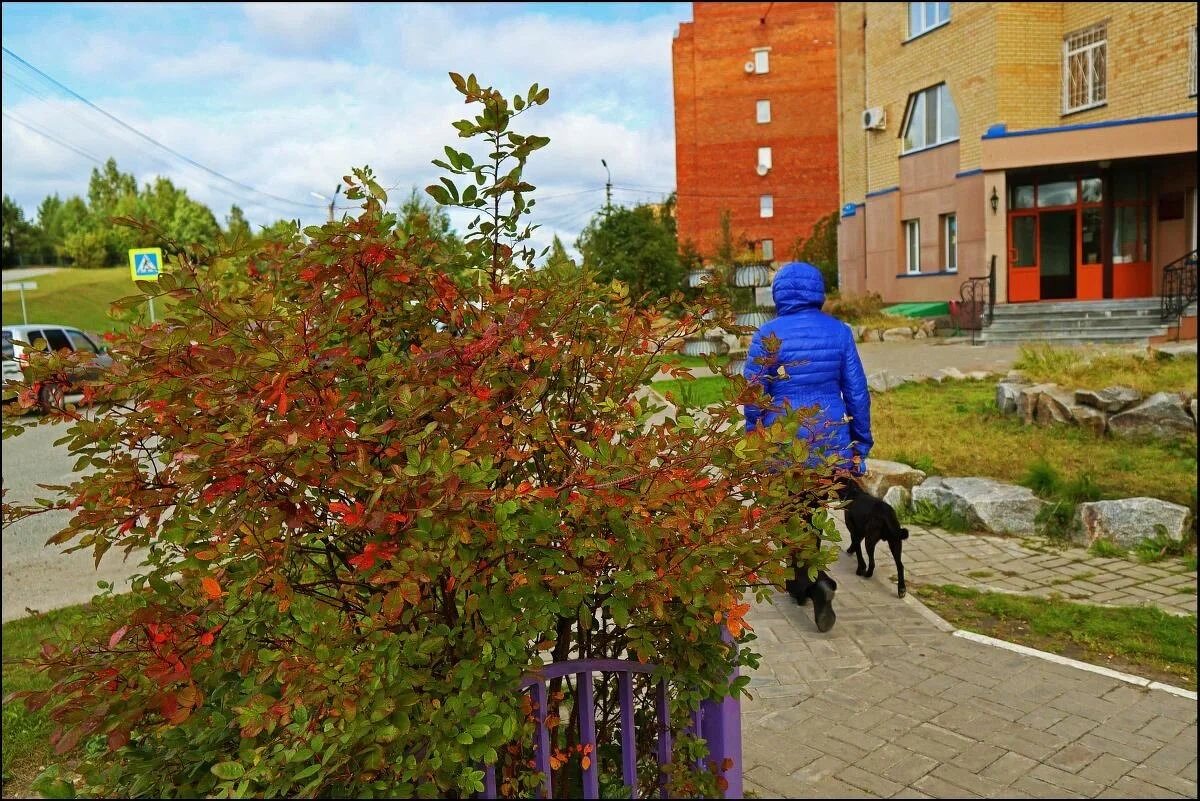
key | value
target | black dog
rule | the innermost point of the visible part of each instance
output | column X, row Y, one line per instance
column 871, row 519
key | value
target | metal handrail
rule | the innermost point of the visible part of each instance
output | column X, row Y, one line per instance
column 977, row 301
column 1178, row 287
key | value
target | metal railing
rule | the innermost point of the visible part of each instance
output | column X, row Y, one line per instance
column 1178, row 287
column 977, row 301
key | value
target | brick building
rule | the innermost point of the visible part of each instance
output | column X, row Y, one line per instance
column 1057, row 139
column 755, row 123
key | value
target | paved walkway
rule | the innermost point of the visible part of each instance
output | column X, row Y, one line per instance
column 23, row 273
column 892, row 704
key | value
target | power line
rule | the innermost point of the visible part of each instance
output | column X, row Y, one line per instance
column 53, row 139
column 72, row 111
column 155, row 142
column 742, row 196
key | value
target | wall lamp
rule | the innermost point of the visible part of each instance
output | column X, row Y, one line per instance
column 995, row 201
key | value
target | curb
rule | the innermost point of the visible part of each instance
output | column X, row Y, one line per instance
column 983, row 639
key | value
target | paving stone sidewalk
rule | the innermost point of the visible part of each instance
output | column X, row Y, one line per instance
column 889, row 704
column 1034, row 567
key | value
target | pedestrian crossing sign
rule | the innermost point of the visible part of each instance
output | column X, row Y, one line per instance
column 145, row 263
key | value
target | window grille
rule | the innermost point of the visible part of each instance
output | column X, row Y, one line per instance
column 1085, row 69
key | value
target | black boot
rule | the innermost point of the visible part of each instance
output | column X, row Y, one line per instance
column 821, row 593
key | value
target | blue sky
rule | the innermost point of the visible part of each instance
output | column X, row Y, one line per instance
column 286, row 98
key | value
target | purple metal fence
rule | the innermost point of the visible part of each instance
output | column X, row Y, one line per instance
column 719, row 723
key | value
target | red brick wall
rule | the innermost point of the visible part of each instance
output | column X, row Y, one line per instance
column 716, row 133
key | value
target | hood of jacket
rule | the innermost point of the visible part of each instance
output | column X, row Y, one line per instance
column 797, row 286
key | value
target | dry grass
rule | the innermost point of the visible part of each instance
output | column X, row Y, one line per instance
column 1093, row 368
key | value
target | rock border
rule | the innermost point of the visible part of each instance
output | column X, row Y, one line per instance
column 1119, row 411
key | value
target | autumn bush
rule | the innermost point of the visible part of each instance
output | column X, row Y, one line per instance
column 370, row 498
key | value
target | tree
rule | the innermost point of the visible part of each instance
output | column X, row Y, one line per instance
column 236, row 225
column 107, row 187
column 375, row 500
column 557, row 257
column 636, row 246
column 18, row 235
column 820, row 249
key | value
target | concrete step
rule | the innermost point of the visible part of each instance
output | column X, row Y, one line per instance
column 1074, row 325
column 1072, row 337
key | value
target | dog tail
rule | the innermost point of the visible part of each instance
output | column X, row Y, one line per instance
column 903, row 533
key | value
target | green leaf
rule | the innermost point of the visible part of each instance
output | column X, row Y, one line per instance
column 228, row 771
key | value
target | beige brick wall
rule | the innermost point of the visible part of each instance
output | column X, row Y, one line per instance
column 1003, row 62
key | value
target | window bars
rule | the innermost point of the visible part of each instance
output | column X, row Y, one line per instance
column 1085, row 69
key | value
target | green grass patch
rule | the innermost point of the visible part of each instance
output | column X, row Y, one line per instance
column 954, row 428
column 26, row 734
column 1076, row 368
column 74, row 297
column 1144, row 641
column 693, row 393
column 1107, row 550
column 1159, row 547
column 680, row 360
column 957, row 428
column 925, row 513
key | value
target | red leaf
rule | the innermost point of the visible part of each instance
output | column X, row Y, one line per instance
column 211, row 587
column 117, row 738
column 283, row 403
column 207, row 638
column 117, row 636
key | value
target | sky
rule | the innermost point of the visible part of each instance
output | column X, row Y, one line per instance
column 282, row 99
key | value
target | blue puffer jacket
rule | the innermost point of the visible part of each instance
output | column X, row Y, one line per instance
column 819, row 366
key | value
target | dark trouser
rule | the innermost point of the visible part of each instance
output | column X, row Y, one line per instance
column 799, row 585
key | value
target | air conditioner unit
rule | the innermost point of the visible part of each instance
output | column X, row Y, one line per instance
column 762, row 169
column 749, row 68
column 873, row 119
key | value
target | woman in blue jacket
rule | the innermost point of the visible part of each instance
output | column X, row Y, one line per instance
column 818, row 365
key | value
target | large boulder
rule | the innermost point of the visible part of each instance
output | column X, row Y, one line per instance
column 984, row 502
column 1007, row 393
column 897, row 333
column 1160, row 416
column 882, row 475
column 1128, row 521
column 1193, row 411
column 1054, row 407
column 1109, row 399
column 898, row 497
column 882, row 381
column 948, row 374
column 1093, row 420
column 1027, row 400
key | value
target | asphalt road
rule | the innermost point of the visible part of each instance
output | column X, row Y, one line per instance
column 36, row 576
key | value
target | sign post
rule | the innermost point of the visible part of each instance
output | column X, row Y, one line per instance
column 21, row 286
column 145, row 264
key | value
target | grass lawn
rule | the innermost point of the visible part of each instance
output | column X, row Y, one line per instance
column 697, row 392
column 1077, row 368
column 954, row 429
column 26, row 734
column 1144, row 641
column 680, row 360
column 73, row 297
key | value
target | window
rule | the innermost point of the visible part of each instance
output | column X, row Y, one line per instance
column 763, row 110
column 930, row 119
column 762, row 63
column 764, row 157
column 766, row 206
column 950, row 242
column 1085, row 69
column 80, row 342
column 9, row 351
column 1192, row 64
column 924, row 17
column 768, row 249
column 1131, row 217
column 912, row 245
column 57, row 339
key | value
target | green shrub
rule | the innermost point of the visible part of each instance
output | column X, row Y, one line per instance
column 924, row 463
column 1042, row 478
column 1107, row 550
column 390, row 496
column 1159, row 547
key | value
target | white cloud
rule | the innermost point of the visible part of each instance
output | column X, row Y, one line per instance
column 303, row 27
column 294, row 120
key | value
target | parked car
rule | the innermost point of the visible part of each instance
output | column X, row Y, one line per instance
column 56, row 338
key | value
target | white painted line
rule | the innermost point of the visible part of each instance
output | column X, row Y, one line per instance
column 1075, row 663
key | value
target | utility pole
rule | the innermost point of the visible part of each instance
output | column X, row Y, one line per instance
column 331, row 200
column 607, row 188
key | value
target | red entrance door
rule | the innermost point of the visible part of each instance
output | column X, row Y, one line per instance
column 1024, row 272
